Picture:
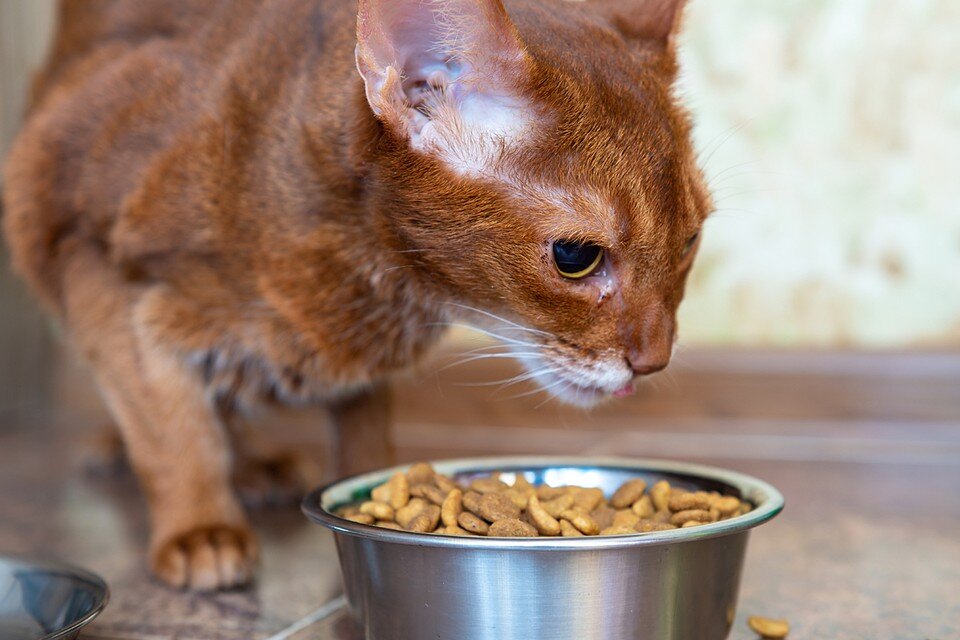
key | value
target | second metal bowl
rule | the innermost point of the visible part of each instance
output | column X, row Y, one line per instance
column 46, row 600
column 672, row 585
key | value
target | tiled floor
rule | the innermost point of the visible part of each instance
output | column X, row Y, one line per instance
column 866, row 449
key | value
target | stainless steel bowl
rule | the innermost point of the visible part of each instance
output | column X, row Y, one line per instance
column 46, row 600
column 672, row 585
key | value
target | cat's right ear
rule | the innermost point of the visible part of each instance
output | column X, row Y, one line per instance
column 440, row 68
column 654, row 22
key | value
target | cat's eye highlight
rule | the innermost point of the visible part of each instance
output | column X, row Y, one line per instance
column 575, row 260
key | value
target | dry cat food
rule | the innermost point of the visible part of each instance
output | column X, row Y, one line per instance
column 769, row 628
column 422, row 500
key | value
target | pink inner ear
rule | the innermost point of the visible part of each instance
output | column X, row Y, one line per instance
column 433, row 41
column 437, row 68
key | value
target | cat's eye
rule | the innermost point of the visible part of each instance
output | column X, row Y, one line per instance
column 690, row 244
column 576, row 260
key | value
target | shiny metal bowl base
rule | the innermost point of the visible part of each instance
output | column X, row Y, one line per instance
column 671, row 585
column 44, row 600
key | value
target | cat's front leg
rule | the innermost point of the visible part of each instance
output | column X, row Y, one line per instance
column 176, row 442
column 200, row 537
column 363, row 438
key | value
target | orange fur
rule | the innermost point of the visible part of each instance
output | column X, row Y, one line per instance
column 204, row 198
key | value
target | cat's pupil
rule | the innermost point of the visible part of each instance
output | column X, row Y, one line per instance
column 576, row 259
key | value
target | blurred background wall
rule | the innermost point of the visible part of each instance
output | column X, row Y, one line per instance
column 25, row 345
column 831, row 134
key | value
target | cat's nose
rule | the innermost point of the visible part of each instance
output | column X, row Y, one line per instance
column 650, row 343
column 643, row 365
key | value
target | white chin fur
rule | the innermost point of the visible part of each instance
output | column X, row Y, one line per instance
column 576, row 385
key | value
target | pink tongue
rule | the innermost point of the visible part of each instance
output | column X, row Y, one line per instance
column 624, row 391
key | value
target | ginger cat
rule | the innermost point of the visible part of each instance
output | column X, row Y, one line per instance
column 226, row 203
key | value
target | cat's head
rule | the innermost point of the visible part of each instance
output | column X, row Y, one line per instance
column 538, row 170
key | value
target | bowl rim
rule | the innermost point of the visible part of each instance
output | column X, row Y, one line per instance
column 34, row 563
column 770, row 504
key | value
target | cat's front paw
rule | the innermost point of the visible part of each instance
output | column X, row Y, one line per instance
column 207, row 558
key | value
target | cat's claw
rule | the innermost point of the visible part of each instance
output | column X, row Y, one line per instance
column 207, row 559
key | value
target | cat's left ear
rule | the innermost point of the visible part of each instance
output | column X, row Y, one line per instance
column 440, row 68
column 653, row 22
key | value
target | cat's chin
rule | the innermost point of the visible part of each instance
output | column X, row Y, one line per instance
column 591, row 396
column 579, row 395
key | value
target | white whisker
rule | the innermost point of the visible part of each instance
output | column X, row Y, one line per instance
column 555, row 394
column 513, row 341
column 486, row 356
column 537, row 390
column 498, row 318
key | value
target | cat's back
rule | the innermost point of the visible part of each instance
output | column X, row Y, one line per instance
column 135, row 109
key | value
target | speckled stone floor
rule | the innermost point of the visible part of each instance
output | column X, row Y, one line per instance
column 866, row 449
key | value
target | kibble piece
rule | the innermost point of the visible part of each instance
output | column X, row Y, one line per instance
column 471, row 502
column 660, row 494
column 420, row 473
column 453, row 531
column 472, row 523
column 604, row 516
column 519, row 497
column 617, row 531
column 433, row 512
column 697, row 515
column 521, row 482
column 451, row 508
column 546, row 492
column 769, row 628
column 434, row 494
column 496, row 506
column 691, row 523
column 488, row 485
column 687, row 501
column 378, row 510
column 628, row 493
column 444, row 483
column 381, row 493
column 420, row 524
column 410, row 511
column 399, row 490
column 583, row 522
column 416, row 491
column 426, row 520
column 646, row 526
column 586, row 500
column 727, row 505
column 387, row 524
column 643, row 507
column 395, row 492
column 546, row 524
column 558, row 505
column 362, row 518
column 511, row 528
column 567, row 530
column 662, row 516
column 625, row 518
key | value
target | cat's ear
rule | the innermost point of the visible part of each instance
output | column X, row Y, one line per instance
column 654, row 22
column 435, row 67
